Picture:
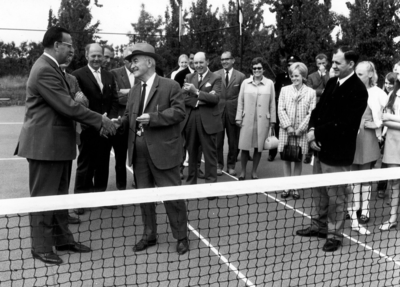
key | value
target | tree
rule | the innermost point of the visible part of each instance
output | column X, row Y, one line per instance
column 303, row 28
column 147, row 29
column 75, row 16
column 371, row 28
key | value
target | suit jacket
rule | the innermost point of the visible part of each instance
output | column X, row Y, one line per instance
column 48, row 132
column 181, row 76
column 336, row 120
column 318, row 83
column 105, row 101
column 122, row 80
column 167, row 110
column 208, row 102
column 228, row 100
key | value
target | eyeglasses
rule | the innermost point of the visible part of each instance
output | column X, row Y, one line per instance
column 225, row 59
column 257, row 68
column 65, row 43
column 388, row 84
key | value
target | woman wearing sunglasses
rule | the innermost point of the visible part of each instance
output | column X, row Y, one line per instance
column 255, row 115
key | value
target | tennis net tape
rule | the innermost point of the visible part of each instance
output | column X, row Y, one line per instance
column 245, row 237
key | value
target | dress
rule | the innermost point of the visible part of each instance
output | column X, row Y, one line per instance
column 256, row 110
column 367, row 145
column 391, row 154
column 294, row 109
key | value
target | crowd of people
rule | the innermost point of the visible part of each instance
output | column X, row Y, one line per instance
column 336, row 119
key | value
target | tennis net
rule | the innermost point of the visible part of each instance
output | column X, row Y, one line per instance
column 245, row 237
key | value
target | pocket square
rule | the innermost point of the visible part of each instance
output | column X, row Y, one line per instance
column 236, row 85
column 208, row 85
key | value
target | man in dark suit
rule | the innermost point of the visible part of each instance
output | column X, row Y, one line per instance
column 332, row 134
column 317, row 81
column 230, row 88
column 281, row 80
column 99, row 87
column 108, row 57
column 48, row 139
column 125, row 81
column 203, row 120
column 154, row 111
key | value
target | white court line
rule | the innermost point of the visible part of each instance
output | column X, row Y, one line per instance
column 381, row 254
column 12, row 123
column 213, row 249
column 12, row 158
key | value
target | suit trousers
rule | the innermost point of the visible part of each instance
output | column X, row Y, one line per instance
column 93, row 162
column 147, row 175
column 119, row 143
column 232, row 132
column 49, row 228
column 196, row 136
column 329, row 203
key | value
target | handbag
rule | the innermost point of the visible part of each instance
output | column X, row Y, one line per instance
column 271, row 142
column 291, row 152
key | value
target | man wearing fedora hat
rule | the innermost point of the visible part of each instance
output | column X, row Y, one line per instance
column 153, row 114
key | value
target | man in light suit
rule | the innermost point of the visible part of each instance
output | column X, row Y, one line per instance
column 99, row 87
column 48, row 139
column 153, row 115
column 203, row 118
column 333, row 130
column 125, row 81
column 230, row 88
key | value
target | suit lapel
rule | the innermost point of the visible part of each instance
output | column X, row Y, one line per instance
column 91, row 77
column 58, row 71
column 125, row 78
column 205, row 79
column 233, row 77
column 136, row 94
column 152, row 91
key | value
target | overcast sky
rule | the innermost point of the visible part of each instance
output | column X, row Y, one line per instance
column 115, row 16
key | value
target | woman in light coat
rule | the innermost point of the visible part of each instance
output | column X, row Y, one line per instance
column 255, row 115
column 294, row 111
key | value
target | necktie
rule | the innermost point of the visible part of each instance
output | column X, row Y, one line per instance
column 98, row 79
column 336, row 87
column 141, row 104
column 201, row 79
column 227, row 78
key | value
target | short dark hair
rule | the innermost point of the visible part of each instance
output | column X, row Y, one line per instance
column 108, row 47
column 321, row 57
column 391, row 77
column 87, row 48
column 257, row 60
column 53, row 34
column 230, row 52
column 349, row 54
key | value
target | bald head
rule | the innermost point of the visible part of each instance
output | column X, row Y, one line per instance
column 94, row 55
column 200, row 62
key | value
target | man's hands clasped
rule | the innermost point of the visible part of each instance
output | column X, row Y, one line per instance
column 109, row 127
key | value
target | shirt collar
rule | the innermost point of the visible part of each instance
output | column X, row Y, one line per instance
column 54, row 60
column 93, row 70
column 150, row 82
column 128, row 72
column 252, row 80
column 341, row 81
column 230, row 71
column 191, row 70
column 204, row 74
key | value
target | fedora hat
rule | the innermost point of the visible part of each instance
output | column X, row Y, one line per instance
column 142, row 49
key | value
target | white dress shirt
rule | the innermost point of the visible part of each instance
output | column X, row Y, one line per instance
column 97, row 76
column 149, row 84
column 54, row 60
column 341, row 81
column 131, row 77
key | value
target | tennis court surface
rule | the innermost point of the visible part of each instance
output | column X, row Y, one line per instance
column 246, row 237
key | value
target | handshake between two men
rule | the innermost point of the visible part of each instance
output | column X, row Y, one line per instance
column 110, row 127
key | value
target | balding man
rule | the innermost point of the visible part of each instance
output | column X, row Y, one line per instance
column 125, row 80
column 99, row 87
column 203, row 120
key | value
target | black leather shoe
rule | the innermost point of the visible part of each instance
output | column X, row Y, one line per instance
column 219, row 171
column 308, row 232
column 307, row 159
column 50, row 257
column 183, row 246
column 73, row 220
column 79, row 211
column 271, row 158
column 200, row 174
column 143, row 244
column 74, row 247
column 331, row 245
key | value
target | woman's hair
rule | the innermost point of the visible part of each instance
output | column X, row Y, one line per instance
column 256, row 61
column 393, row 95
column 301, row 68
column 370, row 69
column 183, row 56
column 391, row 77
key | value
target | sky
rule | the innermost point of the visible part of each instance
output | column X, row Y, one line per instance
column 115, row 16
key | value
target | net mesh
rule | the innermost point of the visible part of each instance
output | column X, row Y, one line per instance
column 246, row 237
